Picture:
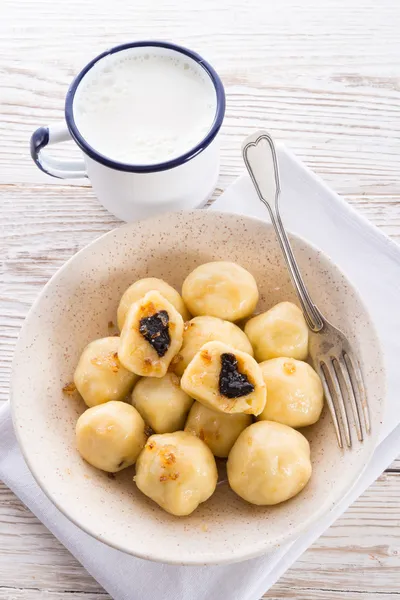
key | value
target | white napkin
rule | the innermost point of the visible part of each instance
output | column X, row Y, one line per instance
column 373, row 264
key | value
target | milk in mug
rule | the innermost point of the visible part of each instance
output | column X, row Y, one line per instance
column 145, row 108
column 146, row 116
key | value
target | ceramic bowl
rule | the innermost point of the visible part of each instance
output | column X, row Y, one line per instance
column 76, row 306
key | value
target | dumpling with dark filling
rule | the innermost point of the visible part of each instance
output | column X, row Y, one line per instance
column 151, row 336
column 226, row 379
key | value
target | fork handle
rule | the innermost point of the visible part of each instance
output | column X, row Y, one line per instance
column 259, row 155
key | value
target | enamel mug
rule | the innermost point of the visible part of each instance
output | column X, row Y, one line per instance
column 137, row 191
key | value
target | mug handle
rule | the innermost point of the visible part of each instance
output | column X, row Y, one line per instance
column 56, row 167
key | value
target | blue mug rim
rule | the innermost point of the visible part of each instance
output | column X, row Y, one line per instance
column 163, row 166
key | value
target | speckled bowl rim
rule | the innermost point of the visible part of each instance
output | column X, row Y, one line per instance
column 234, row 555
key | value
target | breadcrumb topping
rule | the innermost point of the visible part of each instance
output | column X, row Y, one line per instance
column 111, row 361
column 69, row 388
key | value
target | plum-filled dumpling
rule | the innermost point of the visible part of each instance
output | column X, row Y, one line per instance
column 137, row 290
column 110, row 436
column 151, row 336
column 218, row 430
column 200, row 330
column 225, row 379
column 269, row 463
column 177, row 471
column 295, row 392
column 99, row 376
column 162, row 402
column 220, row 289
column 281, row 331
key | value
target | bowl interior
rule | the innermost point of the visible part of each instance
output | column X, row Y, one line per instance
column 76, row 307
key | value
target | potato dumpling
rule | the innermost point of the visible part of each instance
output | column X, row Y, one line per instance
column 226, row 379
column 220, row 289
column 269, row 463
column 137, row 290
column 281, row 331
column 110, row 436
column 295, row 393
column 162, row 403
column 99, row 376
column 200, row 330
column 218, row 430
column 176, row 470
column 151, row 336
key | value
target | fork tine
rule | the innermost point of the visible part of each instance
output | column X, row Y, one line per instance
column 330, row 366
column 329, row 400
column 361, row 398
column 346, row 377
column 340, row 400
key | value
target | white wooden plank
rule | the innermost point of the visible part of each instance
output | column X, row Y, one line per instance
column 395, row 466
column 31, row 557
column 332, row 94
column 280, row 591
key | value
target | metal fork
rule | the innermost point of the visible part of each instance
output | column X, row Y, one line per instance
column 330, row 351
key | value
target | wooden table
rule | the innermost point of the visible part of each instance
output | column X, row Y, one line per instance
column 321, row 75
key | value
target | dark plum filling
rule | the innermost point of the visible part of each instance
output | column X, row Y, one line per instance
column 232, row 383
column 155, row 330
